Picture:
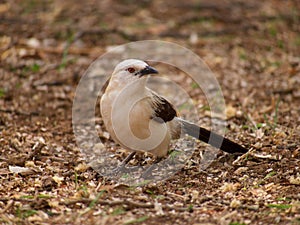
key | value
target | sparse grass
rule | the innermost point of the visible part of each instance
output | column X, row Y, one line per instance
column 204, row 21
column 174, row 154
column 2, row 92
column 273, row 30
column 277, row 64
column 153, row 195
column 280, row 44
column 84, row 189
column 273, row 125
column 236, row 223
column 149, row 192
column 125, row 175
column 247, row 54
column 261, row 181
column 38, row 196
column 92, row 204
column 64, row 60
column 284, row 199
column 194, row 85
column 103, row 25
column 190, row 208
column 23, row 214
column 35, row 68
column 280, row 206
column 268, row 124
column 145, row 182
column 205, row 108
column 118, row 211
column 271, row 174
column 253, row 126
column 31, row 6
column 243, row 54
column 297, row 40
column 95, row 200
column 27, row 196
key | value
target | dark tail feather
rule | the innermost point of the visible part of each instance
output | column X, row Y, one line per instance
column 212, row 138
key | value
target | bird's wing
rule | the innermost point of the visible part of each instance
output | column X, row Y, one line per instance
column 103, row 89
column 163, row 110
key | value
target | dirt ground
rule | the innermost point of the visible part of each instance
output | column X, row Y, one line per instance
column 253, row 48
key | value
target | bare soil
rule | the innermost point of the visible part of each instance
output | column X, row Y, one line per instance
column 253, row 48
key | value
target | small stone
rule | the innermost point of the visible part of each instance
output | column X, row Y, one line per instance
column 239, row 114
column 295, row 180
column 195, row 195
column 29, row 164
column 58, row 179
column 18, row 169
column 229, row 187
column 106, row 135
column 82, row 167
column 241, row 170
column 235, row 203
column 230, row 111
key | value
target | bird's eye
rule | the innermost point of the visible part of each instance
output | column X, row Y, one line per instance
column 131, row 70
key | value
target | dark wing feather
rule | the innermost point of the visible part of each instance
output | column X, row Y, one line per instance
column 163, row 110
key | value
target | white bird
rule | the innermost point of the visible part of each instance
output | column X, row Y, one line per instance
column 139, row 119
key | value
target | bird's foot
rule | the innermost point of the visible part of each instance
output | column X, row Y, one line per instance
column 148, row 173
column 122, row 169
column 116, row 171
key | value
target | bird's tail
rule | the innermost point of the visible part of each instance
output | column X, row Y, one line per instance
column 211, row 138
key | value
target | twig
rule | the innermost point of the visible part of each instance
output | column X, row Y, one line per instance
column 17, row 112
column 283, row 91
column 177, row 196
column 72, row 50
column 61, row 49
column 36, row 149
column 242, row 158
column 7, row 207
column 101, row 31
column 270, row 157
column 128, row 203
column 256, row 155
column 105, row 202
column 6, row 199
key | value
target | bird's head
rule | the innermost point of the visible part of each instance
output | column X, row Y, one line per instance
column 133, row 69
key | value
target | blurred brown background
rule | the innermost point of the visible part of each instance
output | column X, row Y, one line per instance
column 252, row 47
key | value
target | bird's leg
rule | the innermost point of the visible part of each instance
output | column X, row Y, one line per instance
column 123, row 164
column 127, row 159
column 151, row 168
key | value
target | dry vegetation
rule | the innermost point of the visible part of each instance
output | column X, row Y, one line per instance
column 253, row 48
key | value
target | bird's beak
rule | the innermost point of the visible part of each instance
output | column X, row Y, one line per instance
column 147, row 70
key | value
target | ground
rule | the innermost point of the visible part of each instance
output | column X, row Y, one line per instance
column 251, row 46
